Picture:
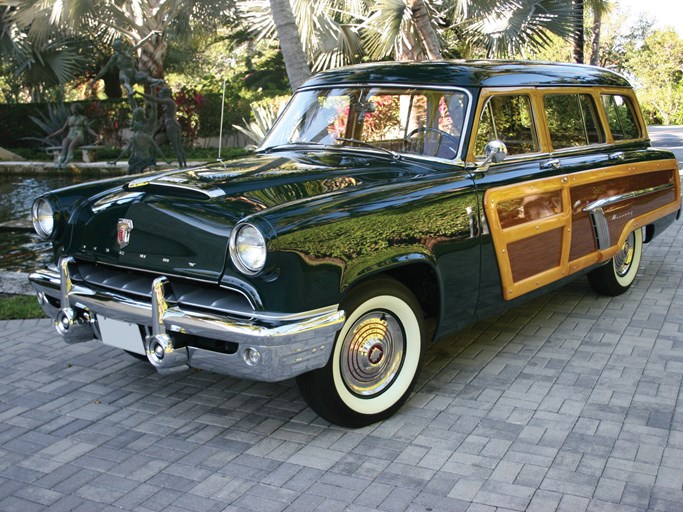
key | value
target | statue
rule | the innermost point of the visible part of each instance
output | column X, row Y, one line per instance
column 171, row 125
column 77, row 124
column 125, row 62
column 141, row 146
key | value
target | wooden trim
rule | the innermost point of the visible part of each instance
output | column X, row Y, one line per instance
column 503, row 238
column 484, row 96
column 536, row 95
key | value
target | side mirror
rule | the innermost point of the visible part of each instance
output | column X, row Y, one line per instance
column 495, row 151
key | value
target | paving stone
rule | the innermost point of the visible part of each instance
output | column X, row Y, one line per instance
column 569, row 402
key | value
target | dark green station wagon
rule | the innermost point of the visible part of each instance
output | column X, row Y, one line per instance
column 390, row 205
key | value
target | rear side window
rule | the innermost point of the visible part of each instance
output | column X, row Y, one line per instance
column 621, row 117
column 572, row 120
column 508, row 119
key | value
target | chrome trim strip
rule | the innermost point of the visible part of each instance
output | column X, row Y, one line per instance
column 607, row 201
column 158, row 180
column 600, row 229
column 168, row 274
column 596, row 209
column 211, row 193
column 386, row 85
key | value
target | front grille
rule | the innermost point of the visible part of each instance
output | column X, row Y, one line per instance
column 185, row 293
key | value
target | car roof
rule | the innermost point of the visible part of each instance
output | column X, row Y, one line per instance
column 470, row 73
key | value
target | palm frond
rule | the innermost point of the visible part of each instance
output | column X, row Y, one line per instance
column 256, row 14
column 527, row 25
column 385, row 28
column 51, row 65
column 343, row 45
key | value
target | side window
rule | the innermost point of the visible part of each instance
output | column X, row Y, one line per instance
column 508, row 119
column 621, row 117
column 572, row 120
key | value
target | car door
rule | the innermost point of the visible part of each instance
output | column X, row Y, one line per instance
column 545, row 203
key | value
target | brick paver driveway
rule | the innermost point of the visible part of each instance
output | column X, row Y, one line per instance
column 572, row 402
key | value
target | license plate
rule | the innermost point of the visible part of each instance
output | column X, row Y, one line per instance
column 120, row 334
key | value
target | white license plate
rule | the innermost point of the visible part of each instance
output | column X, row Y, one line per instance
column 121, row 335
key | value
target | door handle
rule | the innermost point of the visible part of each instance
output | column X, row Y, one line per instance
column 553, row 163
column 619, row 155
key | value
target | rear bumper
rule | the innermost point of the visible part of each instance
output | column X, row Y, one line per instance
column 265, row 347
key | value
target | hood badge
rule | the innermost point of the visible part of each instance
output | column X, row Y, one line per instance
column 123, row 229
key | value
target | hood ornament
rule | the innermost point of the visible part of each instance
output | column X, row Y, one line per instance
column 123, row 229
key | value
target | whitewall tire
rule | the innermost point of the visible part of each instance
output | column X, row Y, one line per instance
column 376, row 358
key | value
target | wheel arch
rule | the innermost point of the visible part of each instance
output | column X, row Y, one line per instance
column 420, row 277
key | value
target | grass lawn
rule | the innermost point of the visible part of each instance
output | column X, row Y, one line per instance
column 17, row 307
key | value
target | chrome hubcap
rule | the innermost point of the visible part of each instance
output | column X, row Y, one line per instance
column 371, row 353
column 624, row 257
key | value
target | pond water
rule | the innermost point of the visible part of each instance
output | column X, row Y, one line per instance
column 19, row 249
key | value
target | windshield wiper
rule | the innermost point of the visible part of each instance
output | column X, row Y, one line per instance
column 368, row 145
column 291, row 145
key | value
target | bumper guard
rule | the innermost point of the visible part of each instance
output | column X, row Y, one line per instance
column 271, row 348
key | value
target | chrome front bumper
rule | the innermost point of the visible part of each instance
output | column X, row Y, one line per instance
column 270, row 347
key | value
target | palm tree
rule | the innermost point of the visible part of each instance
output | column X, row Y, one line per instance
column 39, row 24
column 37, row 66
column 599, row 8
column 328, row 29
column 290, row 43
column 337, row 32
column 579, row 38
column 506, row 28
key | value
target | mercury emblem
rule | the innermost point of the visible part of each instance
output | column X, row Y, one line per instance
column 123, row 229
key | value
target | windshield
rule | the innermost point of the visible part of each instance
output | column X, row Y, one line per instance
column 424, row 122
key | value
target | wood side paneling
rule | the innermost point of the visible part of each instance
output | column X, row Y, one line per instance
column 583, row 238
column 554, row 237
column 536, row 254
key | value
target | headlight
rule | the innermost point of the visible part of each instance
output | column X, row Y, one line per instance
column 43, row 217
column 248, row 249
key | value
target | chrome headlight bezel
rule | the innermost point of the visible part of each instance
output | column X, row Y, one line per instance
column 44, row 218
column 248, row 249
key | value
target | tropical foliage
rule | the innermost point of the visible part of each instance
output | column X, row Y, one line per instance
column 657, row 67
column 264, row 114
column 335, row 32
column 48, row 39
column 50, row 49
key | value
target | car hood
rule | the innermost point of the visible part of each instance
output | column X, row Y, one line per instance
column 179, row 222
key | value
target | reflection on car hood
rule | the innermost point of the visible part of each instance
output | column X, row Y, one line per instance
column 322, row 172
column 181, row 220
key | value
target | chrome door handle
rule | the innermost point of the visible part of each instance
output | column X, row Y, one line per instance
column 619, row 155
column 553, row 163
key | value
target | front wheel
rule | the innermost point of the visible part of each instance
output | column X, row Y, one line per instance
column 617, row 276
column 376, row 358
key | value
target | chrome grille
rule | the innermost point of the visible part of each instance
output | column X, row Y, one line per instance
column 185, row 293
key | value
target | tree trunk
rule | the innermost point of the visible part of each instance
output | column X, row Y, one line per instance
column 152, row 57
column 578, row 31
column 425, row 30
column 595, row 44
column 157, row 15
column 290, row 43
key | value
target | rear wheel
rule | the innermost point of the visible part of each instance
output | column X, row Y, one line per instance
column 617, row 276
column 376, row 357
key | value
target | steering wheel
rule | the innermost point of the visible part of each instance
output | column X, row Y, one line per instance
column 442, row 135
